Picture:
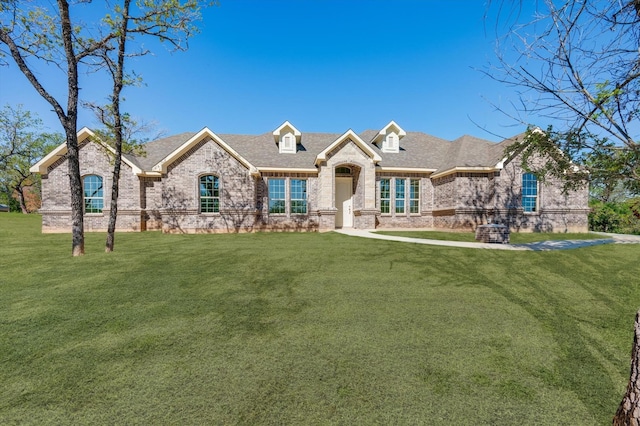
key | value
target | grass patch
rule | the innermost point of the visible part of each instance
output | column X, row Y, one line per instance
column 309, row 329
column 515, row 237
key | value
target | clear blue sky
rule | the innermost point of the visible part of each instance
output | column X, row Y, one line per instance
column 324, row 65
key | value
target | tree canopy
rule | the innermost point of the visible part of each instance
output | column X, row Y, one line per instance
column 37, row 34
column 22, row 142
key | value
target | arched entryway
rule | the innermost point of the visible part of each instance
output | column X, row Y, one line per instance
column 345, row 176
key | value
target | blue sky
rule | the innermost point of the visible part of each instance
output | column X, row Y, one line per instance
column 324, row 65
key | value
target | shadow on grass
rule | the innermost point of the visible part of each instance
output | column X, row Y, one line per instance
column 580, row 369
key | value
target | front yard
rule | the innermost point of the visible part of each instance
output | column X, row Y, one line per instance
column 309, row 329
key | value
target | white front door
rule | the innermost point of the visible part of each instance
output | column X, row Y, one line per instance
column 344, row 201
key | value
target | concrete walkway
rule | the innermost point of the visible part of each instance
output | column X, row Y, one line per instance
column 539, row 246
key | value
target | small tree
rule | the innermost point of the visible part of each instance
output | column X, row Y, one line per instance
column 32, row 35
column 21, row 144
column 171, row 21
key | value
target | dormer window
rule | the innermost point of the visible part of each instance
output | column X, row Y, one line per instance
column 288, row 144
column 388, row 139
column 391, row 143
column 287, row 137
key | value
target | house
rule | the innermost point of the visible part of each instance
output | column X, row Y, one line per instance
column 292, row 180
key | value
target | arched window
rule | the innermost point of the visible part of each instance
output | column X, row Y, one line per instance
column 343, row 171
column 529, row 192
column 93, row 194
column 209, row 194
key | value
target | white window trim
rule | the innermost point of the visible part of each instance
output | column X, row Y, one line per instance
column 213, row 197
column 390, row 199
column 409, row 199
column 286, row 195
column 84, row 203
column 396, row 199
column 290, row 199
column 537, row 205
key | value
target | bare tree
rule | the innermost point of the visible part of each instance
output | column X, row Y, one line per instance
column 577, row 65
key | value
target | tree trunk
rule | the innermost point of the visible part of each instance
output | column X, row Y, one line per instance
column 113, row 213
column 75, row 184
column 70, row 122
column 118, row 82
column 628, row 413
column 23, row 205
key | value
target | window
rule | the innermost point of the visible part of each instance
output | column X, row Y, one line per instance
column 400, row 184
column 343, row 171
column 276, row 196
column 288, row 144
column 93, row 194
column 529, row 192
column 414, row 196
column 385, row 195
column 298, row 196
column 209, row 194
column 391, row 143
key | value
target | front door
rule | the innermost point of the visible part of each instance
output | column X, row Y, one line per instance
column 344, row 202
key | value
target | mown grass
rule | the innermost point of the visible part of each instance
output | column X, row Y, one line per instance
column 514, row 237
column 309, row 329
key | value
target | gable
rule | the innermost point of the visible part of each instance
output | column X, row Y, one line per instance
column 162, row 165
column 349, row 135
column 388, row 139
column 84, row 136
column 287, row 137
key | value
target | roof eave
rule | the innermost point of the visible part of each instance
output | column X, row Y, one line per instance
column 405, row 169
column 464, row 170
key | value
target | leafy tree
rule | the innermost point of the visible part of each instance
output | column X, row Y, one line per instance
column 576, row 64
column 21, row 144
column 168, row 20
column 32, row 35
column 37, row 34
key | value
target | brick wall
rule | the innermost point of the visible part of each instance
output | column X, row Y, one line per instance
column 94, row 160
column 177, row 199
column 497, row 197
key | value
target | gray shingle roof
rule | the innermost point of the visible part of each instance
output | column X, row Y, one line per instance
column 158, row 149
column 417, row 150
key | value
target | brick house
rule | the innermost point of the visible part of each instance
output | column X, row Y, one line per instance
column 289, row 180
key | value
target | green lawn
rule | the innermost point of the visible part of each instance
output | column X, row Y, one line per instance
column 309, row 329
column 514, row 237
